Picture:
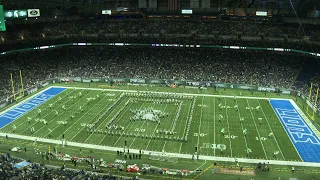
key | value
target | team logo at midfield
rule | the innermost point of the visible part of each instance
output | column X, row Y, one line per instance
column 149, row 114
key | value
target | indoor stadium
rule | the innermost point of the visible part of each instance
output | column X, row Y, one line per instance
column 160, row 89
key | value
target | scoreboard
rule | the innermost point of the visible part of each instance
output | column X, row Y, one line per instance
column 2, row 22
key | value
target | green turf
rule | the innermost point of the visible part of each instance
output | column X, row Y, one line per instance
column 110, row 157
column 206, row 111
column 205, row 128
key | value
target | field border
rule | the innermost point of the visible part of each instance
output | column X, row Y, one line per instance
column 184, row 156
column 146, row 152
column 190, row 94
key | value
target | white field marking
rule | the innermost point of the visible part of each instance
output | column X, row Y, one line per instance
column 78, row 118
column 225, row 103
column 305, row 118
column 65, row 102
column 140, row 127
column 104, row 119
column 182, row 156
column 285, row 131
column 126, row 127
column 245, row 138
column 32, row 109
column 176, row 93
column 119, row 118
column 257, row 130
column 214, row 124
column 199, row 130
column 18, row 104
column 205, row 161
column 173, row 127
column 187, row 121
column 155, row 130
column 53, row 118
column 271, row 129
column 108, row 104
column 164, row 145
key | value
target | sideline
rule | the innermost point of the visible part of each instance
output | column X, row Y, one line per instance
column 206, row 95
column 183, row 156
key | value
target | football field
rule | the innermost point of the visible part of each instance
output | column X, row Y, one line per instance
column 223, row 126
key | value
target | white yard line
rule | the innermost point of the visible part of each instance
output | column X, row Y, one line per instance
column 257, row 129
column 173, row 126
column 199, row 130
column 205, row 161
column 65, row 102
column 126, row 127
column 104, row 119
column 187, row 121
column 184, row 156
column 225, row 103
column 36, row 107
column 271, row 130
column 119, row 118
column 91, row 119
column 245, row 138
column 164, row 145
column 176, row 93
column 78, row 118
column 214, row 124
column 134, row 139
column 155, row 130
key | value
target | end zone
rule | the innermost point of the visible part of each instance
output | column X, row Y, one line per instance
column 26, row 106
column 303, row 137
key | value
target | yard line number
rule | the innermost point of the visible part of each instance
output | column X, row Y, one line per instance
column 199, row 134
column 231, row 136
column 139, row 130
column 261, row 138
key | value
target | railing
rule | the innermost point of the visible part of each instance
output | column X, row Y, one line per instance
column 165, row 45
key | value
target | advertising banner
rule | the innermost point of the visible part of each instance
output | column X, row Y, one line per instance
column 86, row 80
column 9, row 14
column 33, row 12
column 2, row 23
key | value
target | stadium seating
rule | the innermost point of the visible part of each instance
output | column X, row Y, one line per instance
column 220, row 66
column 39, row 171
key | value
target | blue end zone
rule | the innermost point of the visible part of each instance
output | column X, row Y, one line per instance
column 302, row 137
column 14, row 113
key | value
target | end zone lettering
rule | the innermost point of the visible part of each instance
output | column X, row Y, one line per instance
column 297, row 128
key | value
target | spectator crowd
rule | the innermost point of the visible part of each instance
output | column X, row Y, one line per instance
column 36, row 171
column 227, row 66
column 263, row 68
column 163, row 25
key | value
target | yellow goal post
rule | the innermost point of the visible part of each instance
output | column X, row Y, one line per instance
column 312, row 105
column 12, row 85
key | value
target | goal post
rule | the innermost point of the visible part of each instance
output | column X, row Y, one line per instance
column 12, row 86
column 311, row 105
